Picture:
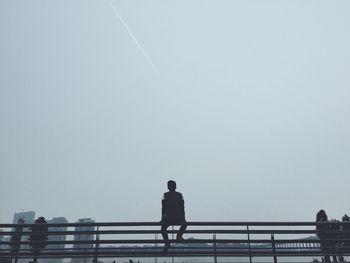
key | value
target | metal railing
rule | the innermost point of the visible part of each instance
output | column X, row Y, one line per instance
column 214, row 240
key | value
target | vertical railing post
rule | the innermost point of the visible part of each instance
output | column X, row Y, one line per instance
column 85, row 248
column 214, row 245
column 273, row 248
column 156, row 245
column 249, row 246
column 172, row 237
column 97, row 245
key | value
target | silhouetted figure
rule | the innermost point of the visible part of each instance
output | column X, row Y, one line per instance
column 346, row 236
column 321, row 217
column 38, row 237
column 173, row 213
column 335, row 237
column 16, row 239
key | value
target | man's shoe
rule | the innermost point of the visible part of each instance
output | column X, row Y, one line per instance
column 179, row 238
column 166, row 248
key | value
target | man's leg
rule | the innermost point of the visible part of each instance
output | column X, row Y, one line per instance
column 165, row 234
column 163, row 229
column 181, row 230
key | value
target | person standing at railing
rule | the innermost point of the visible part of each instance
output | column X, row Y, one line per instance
column 335, row 239
column 322, row 228
column 38, row 237
column 173, row 213
column 346, row 236
column 16, row 239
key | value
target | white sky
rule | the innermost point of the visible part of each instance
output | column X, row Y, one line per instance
column 250, row 112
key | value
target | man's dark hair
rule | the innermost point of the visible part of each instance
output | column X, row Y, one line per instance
column 171, row 185
column 321, row 216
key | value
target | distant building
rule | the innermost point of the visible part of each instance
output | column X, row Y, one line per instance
column 81, row 237
column 56, row 220
column 26, row 218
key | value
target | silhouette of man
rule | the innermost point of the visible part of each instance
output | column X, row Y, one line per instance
column 173, row 213
column 321, row 217
column 38, row 237
column 346, row 236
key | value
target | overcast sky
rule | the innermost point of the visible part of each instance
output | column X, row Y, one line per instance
column 249, row 113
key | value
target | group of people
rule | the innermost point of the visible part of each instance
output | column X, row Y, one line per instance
column 37, row 238
column 334, row 236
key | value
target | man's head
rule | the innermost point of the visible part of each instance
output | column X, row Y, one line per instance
column 171, row 185
column 321, row 216
column 40, row 219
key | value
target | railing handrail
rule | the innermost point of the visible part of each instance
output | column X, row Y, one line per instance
column 193, row 223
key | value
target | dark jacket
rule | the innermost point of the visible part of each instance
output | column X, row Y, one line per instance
column 173, row 207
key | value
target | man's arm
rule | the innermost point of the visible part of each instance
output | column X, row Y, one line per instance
column 182, row 204
column 163, row 208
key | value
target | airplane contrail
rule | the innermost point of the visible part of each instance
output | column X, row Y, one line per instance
column 133, row 36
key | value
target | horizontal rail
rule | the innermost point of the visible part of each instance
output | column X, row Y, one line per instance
column 210, row 231
column 155, row 241
column 180, row 253
column 224, row 223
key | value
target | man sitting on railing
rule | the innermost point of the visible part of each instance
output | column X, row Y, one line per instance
column 173, row 213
